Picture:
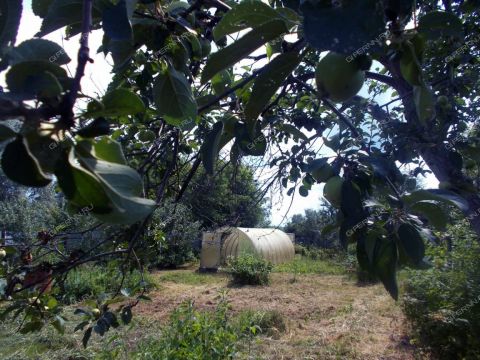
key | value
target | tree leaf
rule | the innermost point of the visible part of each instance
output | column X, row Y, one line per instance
column 126, row 315
column 445, row 196
column 211, row 147
column 30, row 79
column 9, row 21
column 246, row 14
column 116, row 23
column 342, row 27
column 434, row 213
column 20, row 165
column 439, row 23
column 411, row 242
column 80, row 186
column 38, row 49
column 59, row 324
column 123, row 186
column 385, row 265
column 119, row 102
column 109, row 150
column 6, row 133
column 63, row 13
column 292, row 130
column 235, row 52
column 32, row 326
column 424, row 103
column 86, row 337
column 267, row 83
column 173, row 97
column 40, row 7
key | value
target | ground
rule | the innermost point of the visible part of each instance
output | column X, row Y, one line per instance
column 327, row 315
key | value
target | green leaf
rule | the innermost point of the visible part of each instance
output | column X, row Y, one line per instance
column 80, row 186
column 235, row 52
column 211, row 147
column 173, row 97
column 411, row 242
column 66, row 12
column 424, row 103
column 32, row 326
column 246, row 14
column 29, row 79
column 38, row 49
column 6, row 133
column 123, row 186
column 109, row 150
column 222, row 81
column 434, row 213
column 255, row 145
column 385, row 265
column 120, row 102
column 116, row 23
column 445, row 196
column 267, row 83
column 341, row 26
column 86, row 337
column 20, row 165
column 303, row 191
column 126, row 315
column 59, row 324
column 40, row 7
column 438, row 23
column 9, row 21
column 292, row 130
column 410, row 65
column 99, row 126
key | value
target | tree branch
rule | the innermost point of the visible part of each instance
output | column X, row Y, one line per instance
column 382, row 78
column 83, row 57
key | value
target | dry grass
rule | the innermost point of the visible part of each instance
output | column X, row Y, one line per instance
column 328, row 317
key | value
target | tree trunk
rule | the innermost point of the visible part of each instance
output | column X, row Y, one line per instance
column 444, row 170
column 431, row 147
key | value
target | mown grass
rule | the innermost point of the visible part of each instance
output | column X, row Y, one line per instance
column 189, row 277
column 305, row 265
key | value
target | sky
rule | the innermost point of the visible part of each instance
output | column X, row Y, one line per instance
column 97, row 77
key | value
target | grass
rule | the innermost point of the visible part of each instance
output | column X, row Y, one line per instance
column 97, row 281
column 322, row 315
column 304, row 265
column 189, row 277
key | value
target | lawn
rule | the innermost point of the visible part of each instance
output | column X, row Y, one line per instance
column 310, row 310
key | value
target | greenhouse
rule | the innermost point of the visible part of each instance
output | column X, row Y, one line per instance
column 271, row 244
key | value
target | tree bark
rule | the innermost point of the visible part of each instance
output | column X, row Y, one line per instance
column 431, row 147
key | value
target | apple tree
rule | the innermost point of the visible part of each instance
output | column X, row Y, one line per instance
column 390, row 87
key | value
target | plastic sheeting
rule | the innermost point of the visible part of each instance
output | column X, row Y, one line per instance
column 272, row 244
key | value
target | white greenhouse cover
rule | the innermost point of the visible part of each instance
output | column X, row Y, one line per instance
column 272, row 244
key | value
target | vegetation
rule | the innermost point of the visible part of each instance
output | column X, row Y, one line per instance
column 97, row 282
column 390, row 87
column 249, row 269
column 191, row 335
column 443, row 303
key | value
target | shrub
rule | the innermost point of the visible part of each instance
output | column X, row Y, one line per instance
column 193, row 335
column 169, row 240
column 443, row 303
column 268, row 322
column 96, row 281
column 249, row 269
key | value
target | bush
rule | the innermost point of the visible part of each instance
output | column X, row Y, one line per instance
column 169, row 240
column 193, row 335
column 443, row 303
column 249, row 269
column 268, row 322
column 96, row 281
